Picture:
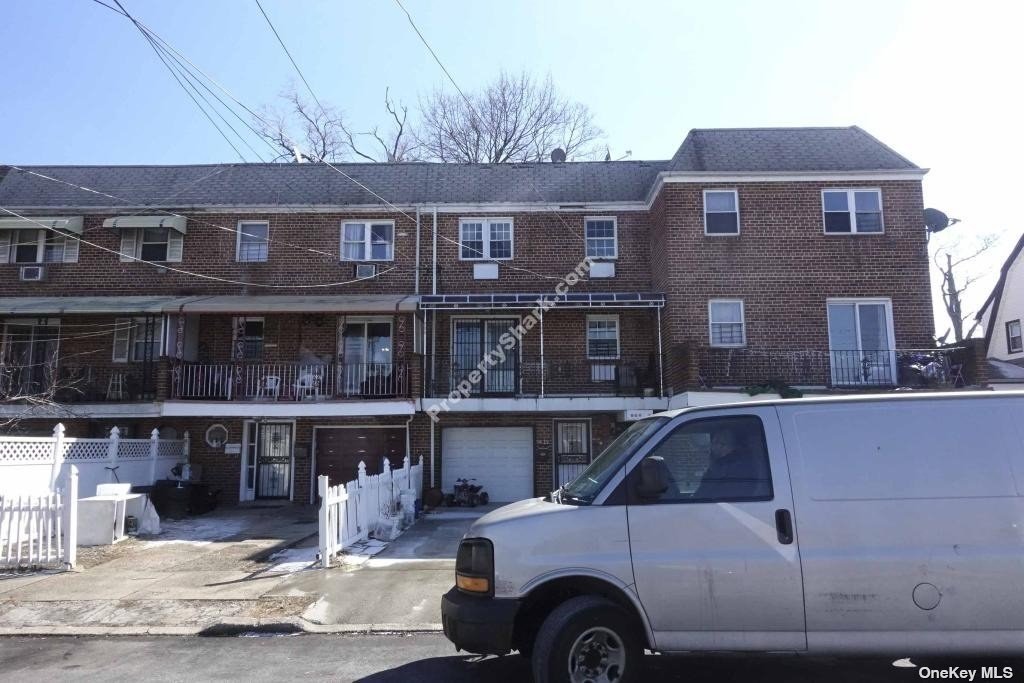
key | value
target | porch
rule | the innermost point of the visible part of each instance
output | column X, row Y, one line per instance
column 507, row 346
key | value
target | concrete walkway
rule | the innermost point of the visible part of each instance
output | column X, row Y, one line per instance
column 238, row 569
column 399, row 589
column 213, row 569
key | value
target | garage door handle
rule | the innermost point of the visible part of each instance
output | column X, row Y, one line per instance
column 784, row 526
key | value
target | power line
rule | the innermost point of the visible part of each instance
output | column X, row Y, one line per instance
column 292, row 59
column 164, row 266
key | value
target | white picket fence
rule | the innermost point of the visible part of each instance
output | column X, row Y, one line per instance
column 32, row 465
column 349, row 512
column 40, row 530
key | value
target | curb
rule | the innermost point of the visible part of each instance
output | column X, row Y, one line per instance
column 227, row 629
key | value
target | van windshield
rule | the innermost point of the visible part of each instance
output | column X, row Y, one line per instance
column 583, row 489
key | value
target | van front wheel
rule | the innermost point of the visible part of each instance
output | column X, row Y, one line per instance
column 587, row 639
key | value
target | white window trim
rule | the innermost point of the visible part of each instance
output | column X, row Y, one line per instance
column 618, row 337
column 486, row 237
column 367, row 240
column 615, row 237
column 736, row 199
column 130, row 327
column 1020, row 333
column 852, row 209
column 238, row 243
column 141, row 243
column 41, row 235
column 743, row 324
column 889, row 327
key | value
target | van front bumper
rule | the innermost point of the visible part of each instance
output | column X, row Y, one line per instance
column 478, row 624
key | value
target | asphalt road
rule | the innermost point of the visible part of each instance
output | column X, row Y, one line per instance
column 387, row 658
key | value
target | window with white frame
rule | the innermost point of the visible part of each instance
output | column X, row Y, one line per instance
column 602, row 337
column 726, row 322
column 151, row 244
column 36, row 246
column 253, row 241
column 721, row 212
column 1014, row 340
column 154, row 243
column 368, row 241
column 485, row 238
column 852, row 211
column 136, row 341
column 602, row 237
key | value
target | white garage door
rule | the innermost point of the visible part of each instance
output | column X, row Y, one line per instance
column 499, row 458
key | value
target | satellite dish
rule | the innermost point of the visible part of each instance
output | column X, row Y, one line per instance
column 558, row 155
column 936, row 221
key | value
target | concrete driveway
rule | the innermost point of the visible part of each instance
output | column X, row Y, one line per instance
column 400, row 588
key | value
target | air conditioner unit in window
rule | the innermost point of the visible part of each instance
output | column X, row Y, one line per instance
column 365, row 270
column 32, row 273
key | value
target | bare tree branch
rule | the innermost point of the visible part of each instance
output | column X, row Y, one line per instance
column 514, row 119
column 954, row 283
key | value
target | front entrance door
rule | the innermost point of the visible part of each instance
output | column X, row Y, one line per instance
column 471, row 341
column 339, row 451
column 273, row 460
column 571, row 449
column 367, row 352
column 715, row 556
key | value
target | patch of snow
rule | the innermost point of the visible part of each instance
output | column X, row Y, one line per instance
column 360, row 552
column 196, row 531
column 291, row 560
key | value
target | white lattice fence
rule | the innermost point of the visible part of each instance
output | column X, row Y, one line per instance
column 31, row 465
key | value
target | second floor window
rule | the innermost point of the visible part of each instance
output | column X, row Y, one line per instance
column 852, row 211
column 151, row 244
column 135, row 342
column 36, row 246
column 721, row 212
column 372, row 241
column 601, row 235
column 602, row 337
column 1014, row 341
column 726, row 320
column 253, row 239
column 483, row 238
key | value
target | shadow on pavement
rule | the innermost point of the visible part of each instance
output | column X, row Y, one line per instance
column 782, row 668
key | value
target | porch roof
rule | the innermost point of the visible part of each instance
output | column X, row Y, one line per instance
column 279, row 303
column 86, row 305
column 530, row 301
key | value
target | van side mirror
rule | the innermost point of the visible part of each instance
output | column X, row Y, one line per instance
column 654, row 477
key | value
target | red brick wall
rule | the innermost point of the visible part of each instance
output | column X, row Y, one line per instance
column 784, row 267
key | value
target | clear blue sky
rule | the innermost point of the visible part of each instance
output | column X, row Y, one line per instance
column 937, row 81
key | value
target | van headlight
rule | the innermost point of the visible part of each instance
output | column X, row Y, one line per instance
column 474, row 567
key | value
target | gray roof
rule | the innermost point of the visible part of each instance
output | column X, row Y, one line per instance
column 319, row 184
column 784, row 149
column 704, row 150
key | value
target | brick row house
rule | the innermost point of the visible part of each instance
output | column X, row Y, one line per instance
column 297, row 319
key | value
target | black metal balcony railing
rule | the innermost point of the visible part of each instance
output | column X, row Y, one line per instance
column 75, row 383
column 919, row 368
column 247, row 381
column 553, row 377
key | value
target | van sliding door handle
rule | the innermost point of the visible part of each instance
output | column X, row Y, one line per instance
column 784, row 526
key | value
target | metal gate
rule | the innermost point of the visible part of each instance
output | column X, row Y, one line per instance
column 472, row 340
column 571, row 449
column 273, row 460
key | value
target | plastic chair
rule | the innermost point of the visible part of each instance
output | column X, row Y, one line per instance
column 956, row 375
column 308, row 384
column 270, row 385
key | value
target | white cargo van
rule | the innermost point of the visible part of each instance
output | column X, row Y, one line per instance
column 872, row 524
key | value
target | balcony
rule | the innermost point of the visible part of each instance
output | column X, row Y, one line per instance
column 552, row 377
column 837, row 369
column 61, row 382
column 257, row 381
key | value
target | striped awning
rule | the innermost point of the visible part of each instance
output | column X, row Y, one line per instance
column 66, row 223
column 127, row 222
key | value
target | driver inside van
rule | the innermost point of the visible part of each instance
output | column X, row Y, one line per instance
column 735, row 469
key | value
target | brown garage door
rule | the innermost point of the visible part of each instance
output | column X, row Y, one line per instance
column 339, row 451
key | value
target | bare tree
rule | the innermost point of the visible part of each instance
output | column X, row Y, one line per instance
column 308, row 132
column 955, row 281
column 513, row 119
column 35, row 399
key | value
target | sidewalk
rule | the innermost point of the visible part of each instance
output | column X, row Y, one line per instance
column 200, row 572
column 240, row 569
